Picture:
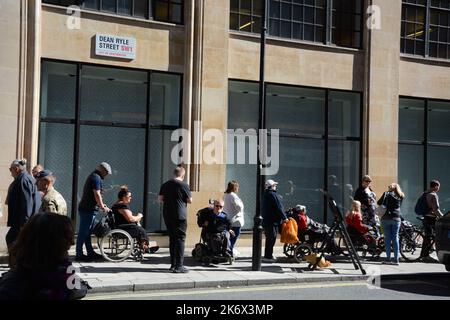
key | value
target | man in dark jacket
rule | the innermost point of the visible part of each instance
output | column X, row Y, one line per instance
column 273, row 216
column 367, row 197
column 23, row 199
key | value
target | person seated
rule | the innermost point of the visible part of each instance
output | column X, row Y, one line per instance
column 39, row 262
column 355, row 225
column 215, row 224
column 317, row 232
column 125, row 220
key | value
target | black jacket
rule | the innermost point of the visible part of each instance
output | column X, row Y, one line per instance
column 24, row 200
column 272, row 209
column 216, row 223
column 362, row 196
column 393, row 203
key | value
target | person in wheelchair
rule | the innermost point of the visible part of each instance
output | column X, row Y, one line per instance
column 359, row 232
column 216, row 229
column 313, row 232
column 125, row 220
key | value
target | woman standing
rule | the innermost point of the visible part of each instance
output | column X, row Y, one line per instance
column 234, row 208
column 391, row 220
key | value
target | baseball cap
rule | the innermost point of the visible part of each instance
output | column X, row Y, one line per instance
column 300, row 207
column 107, row 167
column 270, row 183
column 43, row 174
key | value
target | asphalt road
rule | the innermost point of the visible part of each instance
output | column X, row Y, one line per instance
column 425, row 288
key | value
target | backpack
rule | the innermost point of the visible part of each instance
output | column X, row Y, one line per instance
column 202, row 215
column 102, row 227
column 422, row 207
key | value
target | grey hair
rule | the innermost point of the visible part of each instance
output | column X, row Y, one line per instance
column 20, row 163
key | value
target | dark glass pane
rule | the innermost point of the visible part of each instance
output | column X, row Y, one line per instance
column 343, row 178
column 346, row 22
column 320, row 18
column 246, row 6
column 442, row 51
column 420, row 48
column 274, row 27
column 318, row 34
column 286, row 12
column 176, row 13
column 124, row 7
column 161, row 11
column 295, row 110
column 433, row 49
column 243, row 104
column 113, row 95
column 56, row 153
column 91, row 4
column 439, row 121
column 309, row 2
column 234, row 21
column 309, row 32
column 309, row 14
column 357, row 23
column 285, row 29
column 274, row 11
column 409, row 46
column 436, row 171
column 257, row 7
column 434, row 31
column 124, row 150
column 234, row 6
column 58, row 90
column 443, row 34
column 300, row 180
column 411, row 117
column 246, row 23
column 297, row 13
column 256, row 26
column 344, row 114
column 141, row 8
column 165, row 99
column 109, row 5
column 410, row 177
column 434, row 17
column 297, row 31
column 356, row 39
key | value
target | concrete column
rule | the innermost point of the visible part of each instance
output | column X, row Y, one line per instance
column 382, row 90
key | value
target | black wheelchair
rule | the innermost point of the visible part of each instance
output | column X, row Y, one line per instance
column 116, row 244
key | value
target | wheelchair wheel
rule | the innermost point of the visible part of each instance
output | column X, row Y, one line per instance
column 289, row 249
column 301, row 251
column 117, row 245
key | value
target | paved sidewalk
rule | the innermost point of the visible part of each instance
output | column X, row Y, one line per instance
column 153, row 273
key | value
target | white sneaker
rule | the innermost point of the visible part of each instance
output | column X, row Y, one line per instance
column 236, row 253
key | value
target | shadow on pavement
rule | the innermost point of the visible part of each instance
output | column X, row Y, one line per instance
column 437, row 284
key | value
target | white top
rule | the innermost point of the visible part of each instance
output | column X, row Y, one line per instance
column 234, row 208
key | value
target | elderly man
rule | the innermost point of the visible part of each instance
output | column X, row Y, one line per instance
column 91, row 202
column 23, row 199
column 216, row 222
column 52, row 201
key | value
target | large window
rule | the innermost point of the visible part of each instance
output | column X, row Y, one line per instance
column 424, row 150
column 426, row 28
column 336, row 22
column 319, row 144
column 91, row 114
column 160, row 10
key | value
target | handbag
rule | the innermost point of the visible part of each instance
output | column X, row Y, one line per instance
column 380, row 211
column 289, row 232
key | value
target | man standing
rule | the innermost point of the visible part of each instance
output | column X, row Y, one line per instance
column 429, row 219
column 273, row 216
column 53, row 201
column 91, row 202
column 23, row 199
column 175, row 195
column 367, row 197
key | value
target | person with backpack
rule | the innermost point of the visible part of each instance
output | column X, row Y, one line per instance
column 391, row 220
column 428, row 207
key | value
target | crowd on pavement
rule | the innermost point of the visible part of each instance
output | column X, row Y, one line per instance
column 41, row 234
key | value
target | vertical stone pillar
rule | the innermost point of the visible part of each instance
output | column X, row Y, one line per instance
column 210, row 98
column 382, row 96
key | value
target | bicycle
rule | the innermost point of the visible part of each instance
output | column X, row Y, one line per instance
column 411, row 240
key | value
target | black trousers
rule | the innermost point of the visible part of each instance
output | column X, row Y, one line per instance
column 428, row 225
column 11, row 236
column 271, row 237
column 177, row 236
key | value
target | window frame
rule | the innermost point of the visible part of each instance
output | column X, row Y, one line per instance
column 77, row 122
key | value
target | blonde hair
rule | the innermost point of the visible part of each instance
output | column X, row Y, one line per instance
column 396, row 188
column 356, row 206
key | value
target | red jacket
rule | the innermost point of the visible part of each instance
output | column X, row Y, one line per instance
column 354, row 219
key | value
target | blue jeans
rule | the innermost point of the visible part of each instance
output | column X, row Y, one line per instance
column 233, row 239
column 391, row 229
column 84, row 232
